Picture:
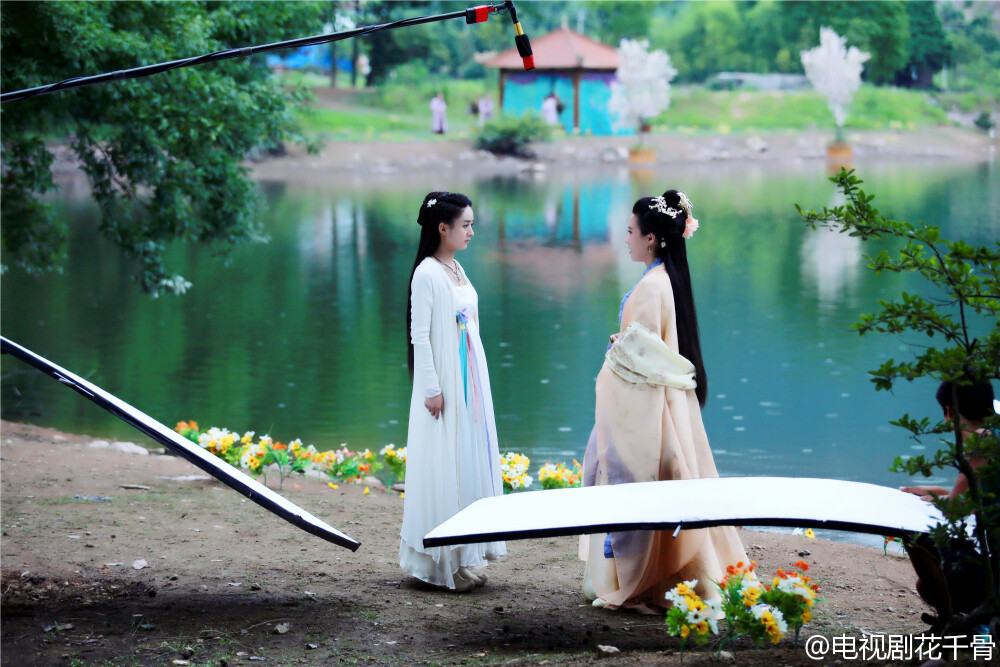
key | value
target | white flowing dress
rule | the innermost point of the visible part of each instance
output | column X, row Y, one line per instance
column 454, row 460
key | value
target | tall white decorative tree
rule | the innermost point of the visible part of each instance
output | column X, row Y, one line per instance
column 835, row 70
column 642, row 89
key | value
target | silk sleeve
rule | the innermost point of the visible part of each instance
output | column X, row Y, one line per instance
column 421, row 311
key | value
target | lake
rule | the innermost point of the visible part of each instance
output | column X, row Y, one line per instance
column 303, row 337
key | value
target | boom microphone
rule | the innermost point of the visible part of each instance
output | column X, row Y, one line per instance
column 521, row 40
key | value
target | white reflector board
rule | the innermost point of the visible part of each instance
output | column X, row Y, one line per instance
column 183, row 447
column 691, row 503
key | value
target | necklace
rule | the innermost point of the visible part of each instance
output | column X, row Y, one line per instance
column 453, row 269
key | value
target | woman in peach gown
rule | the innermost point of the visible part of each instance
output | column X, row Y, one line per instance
column 648, row 424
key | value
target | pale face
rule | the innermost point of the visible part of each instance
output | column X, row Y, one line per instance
column 458, row 235
column 638, row 245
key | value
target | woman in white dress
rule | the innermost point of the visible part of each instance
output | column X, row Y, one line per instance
column 453, row 458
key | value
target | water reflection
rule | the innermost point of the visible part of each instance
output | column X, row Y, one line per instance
column 304, row 337
column 831, row 261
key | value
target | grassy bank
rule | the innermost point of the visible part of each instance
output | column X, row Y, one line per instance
column 398, row 112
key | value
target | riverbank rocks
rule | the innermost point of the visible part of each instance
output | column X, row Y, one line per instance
column 125, row 447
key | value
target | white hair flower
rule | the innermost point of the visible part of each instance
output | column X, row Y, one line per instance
column 431, row 203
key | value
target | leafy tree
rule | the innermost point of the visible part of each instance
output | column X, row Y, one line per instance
column 929, row 48
column 879, row 28
column 965, row 317
column 614, row 21
column 974, row 40
column 163, row 153
column 705, row 39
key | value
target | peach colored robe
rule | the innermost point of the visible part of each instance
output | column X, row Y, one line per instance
column 646, row 433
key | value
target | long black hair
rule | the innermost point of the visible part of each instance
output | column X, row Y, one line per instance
column 436, row 208
column 668, row 228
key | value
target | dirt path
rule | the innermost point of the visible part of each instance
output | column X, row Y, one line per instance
column 222, row 575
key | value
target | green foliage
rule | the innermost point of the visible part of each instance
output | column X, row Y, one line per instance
column 614, row 21
column 768, row 36
column 742, row 111
column 163, row 153
column 984, row 121
column 512, row 136
column 964, row 319
column 974, row 41
column 929, row 49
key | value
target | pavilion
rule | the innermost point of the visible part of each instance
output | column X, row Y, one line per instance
column 578, row 69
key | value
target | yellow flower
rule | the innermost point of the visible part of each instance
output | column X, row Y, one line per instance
column 702, row 628
column 685, row 631
column 332, row 485
column 810, row 534
column 806, row 616
column 365, row 492
column 401, row 494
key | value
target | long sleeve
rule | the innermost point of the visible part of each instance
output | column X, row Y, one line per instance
column 646, row 306
column 421, row 308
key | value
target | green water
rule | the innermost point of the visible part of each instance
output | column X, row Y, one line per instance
column 304, row 337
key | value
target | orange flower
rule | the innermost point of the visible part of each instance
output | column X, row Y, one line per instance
column 802, row 565
column 753, row 565
column 278, row 445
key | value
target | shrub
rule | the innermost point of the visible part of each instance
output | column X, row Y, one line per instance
column 512, row 136
column 984, row 122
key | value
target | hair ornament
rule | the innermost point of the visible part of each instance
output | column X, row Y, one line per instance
column 690, row 227
column 663, row 244
column 431, row 203
column 660, row 204
column 686, row 203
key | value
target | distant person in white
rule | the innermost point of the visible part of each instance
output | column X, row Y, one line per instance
column 550, row 109
column 439, row 118
column 485, row 108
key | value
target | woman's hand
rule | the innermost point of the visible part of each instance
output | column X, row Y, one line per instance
column 614, row 338
column 435, row 405
column 926, row 493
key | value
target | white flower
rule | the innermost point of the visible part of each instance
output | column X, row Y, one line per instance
column 696, row 616
column 714, row 625
column 714, row 608
column 779, row 620
column 797, row 531
column 759, row 610
column 385, row 450
column 431, row 203
column 679, row 601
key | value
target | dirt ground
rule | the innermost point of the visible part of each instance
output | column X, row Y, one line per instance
column 366, row 158
column 224, row 578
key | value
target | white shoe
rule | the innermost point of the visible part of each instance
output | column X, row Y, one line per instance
column 462, row 585
column 466, row 573
column 600, row 603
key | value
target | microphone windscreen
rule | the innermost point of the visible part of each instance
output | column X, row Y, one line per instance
column 524, row 50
